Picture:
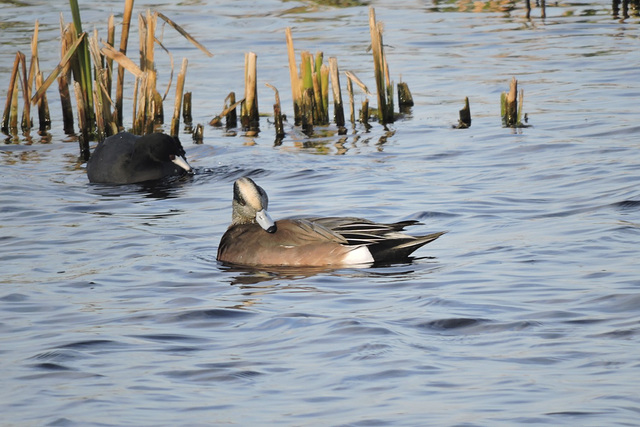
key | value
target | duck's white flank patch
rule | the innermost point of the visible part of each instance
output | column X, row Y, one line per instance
column 359, row 255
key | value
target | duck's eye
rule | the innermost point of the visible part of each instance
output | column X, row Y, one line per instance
column 237, row 196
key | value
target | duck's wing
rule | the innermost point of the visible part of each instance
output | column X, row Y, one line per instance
column 358, row 231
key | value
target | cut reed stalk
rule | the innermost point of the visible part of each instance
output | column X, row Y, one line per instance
column 65, row 100
column 35, row 75
column 186, row 109
column 13, row 123
column 44, row 116
column 364, row 113
column 111, row 37
column 7, row 114
column 378, row 65
column 124, row 39
column 175, row 121
column 24, row 81
column 324, row 78
column 509, row 105
column 231, row 115
column 308, row 101
column 381, row 71
column 338, row 109
column 296, row 92
column 250, row 117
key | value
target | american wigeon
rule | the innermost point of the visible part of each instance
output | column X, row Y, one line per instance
column 254, row 239
column 125, row 158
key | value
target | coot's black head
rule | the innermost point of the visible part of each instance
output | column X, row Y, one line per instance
column 165, row 148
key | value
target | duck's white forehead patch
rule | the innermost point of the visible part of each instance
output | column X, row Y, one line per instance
column 250, row 193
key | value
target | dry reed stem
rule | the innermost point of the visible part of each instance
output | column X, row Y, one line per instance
column 111, row 37
column 293, row 74
column 124, row 39
column 511, row 104
column 34, row 68
column 14, row 107
column 123, row 61
column 44, row 117
column 352, row 115
column 83, row 140
column 277, row 113
column 378, row 64
column 338, row 109
column 166, row 92
column 188, row 36
column 65, row 100
column 54, row 74
column 186, row 108
column 26, row 112
column 250, row 117
column 175, row 121
column 324, row 78
column 7, row 114
column 352, row 77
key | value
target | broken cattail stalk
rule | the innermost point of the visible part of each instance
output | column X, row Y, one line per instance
column 250, row 118
column 338, row 110
column 296, row 92
column 175, row 121
column 186, row 109
column 277, row 114
column 124, row 39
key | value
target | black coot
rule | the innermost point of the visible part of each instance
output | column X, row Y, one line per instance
column 126, row 158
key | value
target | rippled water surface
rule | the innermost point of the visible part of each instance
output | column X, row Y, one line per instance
column 114, row 311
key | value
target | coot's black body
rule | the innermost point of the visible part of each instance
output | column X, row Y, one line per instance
column 126, row 158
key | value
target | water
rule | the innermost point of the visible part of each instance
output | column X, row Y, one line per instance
column 113, row 310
